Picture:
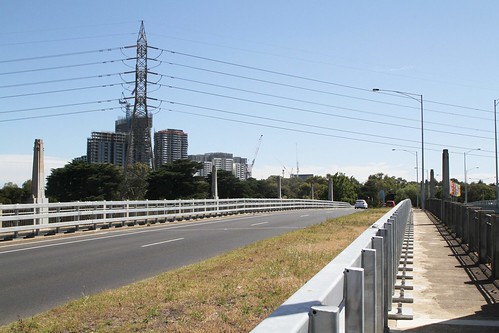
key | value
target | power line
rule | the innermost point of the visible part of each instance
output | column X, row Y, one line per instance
column 320, row 104
column 62, row 67
column 58, row 114
column 303, row 77
column 321, row 113
column 61, row 80
column 59, row 55
column 58, row 106
column 65, row 90
column 391, row 144
column 327, row 92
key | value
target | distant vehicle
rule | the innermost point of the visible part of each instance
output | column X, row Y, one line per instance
column 360, row 204
column 390, row 203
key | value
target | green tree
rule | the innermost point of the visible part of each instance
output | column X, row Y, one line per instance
column 229, row 186
column 409, row 191
column 12, row 194
column 261, row 188
column 176, row 181
column 480, row 191
column 80, row 181
column 377, row 184
column 345, row 188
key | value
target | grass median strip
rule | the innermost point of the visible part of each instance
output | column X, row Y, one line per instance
column 229, row 293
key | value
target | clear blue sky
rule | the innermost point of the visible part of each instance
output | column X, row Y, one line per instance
column 298, row 72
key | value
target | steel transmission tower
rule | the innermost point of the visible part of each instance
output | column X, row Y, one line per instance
column 139, row 140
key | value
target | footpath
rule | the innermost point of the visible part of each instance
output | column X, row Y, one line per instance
column 451, row 292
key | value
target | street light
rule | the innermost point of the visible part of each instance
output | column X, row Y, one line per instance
column 465, row 175
column 417, row 171
column 420, row 100
column 495, row 145
column 466, row 184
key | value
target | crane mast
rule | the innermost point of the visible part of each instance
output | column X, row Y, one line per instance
column 250, row 167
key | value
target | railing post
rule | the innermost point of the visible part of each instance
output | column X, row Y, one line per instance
column 324, row 319
column 354, row 300
column 474, row 230
column 370, row 294
column 390, row 260
column 377, row 244
column 483, row 239
column 495, row 247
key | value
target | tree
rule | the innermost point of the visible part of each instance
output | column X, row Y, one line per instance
column 80, row 181
column 410, row 191
column 176, row 181
column 480, row 191
column 344, row 188
column 261, row 188
column 12, row 194
column 229, row 186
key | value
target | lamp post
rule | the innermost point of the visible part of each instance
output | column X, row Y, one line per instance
column 495, row 145
column 420, row 100
column 466, row 184
column 465, row 175
column 417, row 170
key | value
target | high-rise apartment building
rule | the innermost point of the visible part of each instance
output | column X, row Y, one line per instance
column 169, row 145
column 223, row 161
column 106, row 147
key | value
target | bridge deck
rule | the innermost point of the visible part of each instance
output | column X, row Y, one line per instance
column 451, row 292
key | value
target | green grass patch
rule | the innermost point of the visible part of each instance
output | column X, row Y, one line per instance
column 229, row 293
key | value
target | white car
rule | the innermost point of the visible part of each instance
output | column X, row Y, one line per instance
column 360, row 204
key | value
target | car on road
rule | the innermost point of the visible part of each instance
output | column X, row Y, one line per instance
column 360, row 204
column 390, row 203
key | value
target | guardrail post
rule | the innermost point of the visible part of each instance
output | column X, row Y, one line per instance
column 389, row 264
column 483, row 236
column 370, row 294
column 379, row 289
column 495, row 247
column 474, row 229
column 354, row 300
column 324, row 319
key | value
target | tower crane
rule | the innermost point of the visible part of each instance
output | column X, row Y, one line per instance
column 250, row 167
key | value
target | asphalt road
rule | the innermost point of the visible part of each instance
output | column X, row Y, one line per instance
column 39, row 274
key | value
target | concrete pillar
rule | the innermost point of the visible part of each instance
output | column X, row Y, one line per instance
column 38, row 175
column 330, row 188
column 214, row 182
column 445, row 176
column 432, row 183
column 279, row 187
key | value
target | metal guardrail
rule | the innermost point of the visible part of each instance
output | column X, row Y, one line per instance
column 477, row 227
column 30, row 219
column 353, row 293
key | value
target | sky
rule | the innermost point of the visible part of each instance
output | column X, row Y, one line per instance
column 300, row 73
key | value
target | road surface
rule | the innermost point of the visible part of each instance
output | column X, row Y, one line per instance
column 39, row 274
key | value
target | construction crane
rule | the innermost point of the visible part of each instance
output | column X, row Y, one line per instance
column 250, row 167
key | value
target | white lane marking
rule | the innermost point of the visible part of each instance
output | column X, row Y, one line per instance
column 65, row 243
column 163, row 242
column 127, row 233
column 305, row 215
column 258, row 223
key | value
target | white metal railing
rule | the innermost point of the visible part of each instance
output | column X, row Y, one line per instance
column 52, row 217
column 353, row 293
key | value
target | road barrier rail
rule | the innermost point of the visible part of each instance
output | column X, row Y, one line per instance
column 28, row 220
column 354, row 292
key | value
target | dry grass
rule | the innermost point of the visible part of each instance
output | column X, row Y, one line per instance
column 230, row 293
